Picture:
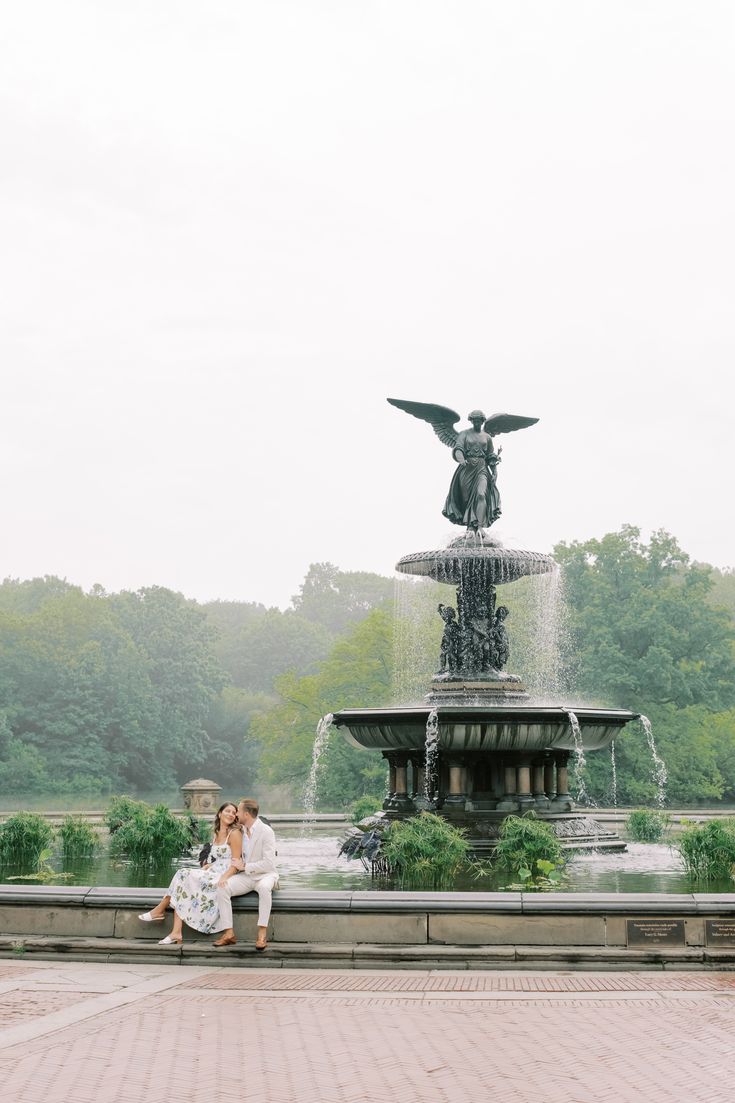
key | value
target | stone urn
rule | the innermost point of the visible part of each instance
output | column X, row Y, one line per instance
column 201, row 796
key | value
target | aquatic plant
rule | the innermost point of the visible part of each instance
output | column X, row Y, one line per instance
column 425, row 852
column 151, row 835
column 524, row 841
column 44, row 873
column 78, row 838
column 121, row 810
column 23, row 837
column 708, row 850
column 647, row 825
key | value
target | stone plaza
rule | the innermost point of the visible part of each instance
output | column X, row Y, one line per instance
column 117, row 1033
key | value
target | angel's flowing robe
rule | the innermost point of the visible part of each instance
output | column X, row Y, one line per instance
column 473, row 498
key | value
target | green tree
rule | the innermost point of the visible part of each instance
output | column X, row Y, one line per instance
column 647, row 636
column 98, row 690
column 356, row 673
column 74, row 690
column 232, row 752
column 644, row 632
column 338, row 599
column 274, row 644
column 29, row 595
column 186, row 678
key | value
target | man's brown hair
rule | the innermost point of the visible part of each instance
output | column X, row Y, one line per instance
column 251, row 806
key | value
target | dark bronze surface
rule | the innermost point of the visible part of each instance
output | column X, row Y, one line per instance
column 656, row 932
column 719, row 932
column 473, row 499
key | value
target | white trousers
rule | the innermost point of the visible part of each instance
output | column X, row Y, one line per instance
column 238, row 885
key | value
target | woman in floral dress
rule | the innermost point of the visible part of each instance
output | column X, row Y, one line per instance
column 193, row 892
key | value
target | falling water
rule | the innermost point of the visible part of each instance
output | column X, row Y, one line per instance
column 320, row 743
column 416, row 637
column 659, row 772
column 432, row 752
column 614, row 775
column 580, row 762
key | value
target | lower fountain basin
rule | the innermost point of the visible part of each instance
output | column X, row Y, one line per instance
column 481, row 728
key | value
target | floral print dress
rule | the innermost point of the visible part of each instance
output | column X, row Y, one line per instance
column 193, row 892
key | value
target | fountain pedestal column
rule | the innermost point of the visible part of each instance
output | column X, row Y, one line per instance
column 523, row 792
column 562, row 802
column 457, row 796
column 540, row 798
column 418, row 772
column 402, row 801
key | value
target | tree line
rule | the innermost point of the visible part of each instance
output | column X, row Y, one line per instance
column 108, row 692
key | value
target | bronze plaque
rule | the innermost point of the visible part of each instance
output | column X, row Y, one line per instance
column 719, row 932
column 656, row 932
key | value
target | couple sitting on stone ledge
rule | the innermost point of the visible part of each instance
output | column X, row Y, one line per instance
column 242, row 858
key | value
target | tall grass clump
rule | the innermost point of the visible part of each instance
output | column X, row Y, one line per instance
column 647, row 825
column 708, row 850
column 78, row 839
column 524, row 842
column 151, row 835
column 425, row 852
column 121, row 810
column 23, row 838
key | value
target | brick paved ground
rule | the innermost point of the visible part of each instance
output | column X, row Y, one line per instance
column 114, row 1033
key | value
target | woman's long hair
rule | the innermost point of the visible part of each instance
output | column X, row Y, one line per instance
column 227, row 804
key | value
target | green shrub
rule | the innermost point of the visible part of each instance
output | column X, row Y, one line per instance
column 78, row 838
column 708, row 850
column 364, row 806
column 23, row 837
column 524, row 842
column 151, row 835
column 425, row 851
column 121, row 810
column 647, row 825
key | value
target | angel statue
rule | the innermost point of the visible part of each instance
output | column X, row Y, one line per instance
column 473, row 499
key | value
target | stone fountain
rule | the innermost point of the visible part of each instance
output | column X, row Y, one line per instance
column 480, row 748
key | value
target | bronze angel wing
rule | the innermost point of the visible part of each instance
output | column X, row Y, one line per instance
column 507, row 423
column 441, row 419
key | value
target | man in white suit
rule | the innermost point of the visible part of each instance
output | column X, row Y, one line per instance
column 256, row 871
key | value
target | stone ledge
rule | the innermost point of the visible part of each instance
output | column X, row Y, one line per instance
column 343, row 956
column 305, row 900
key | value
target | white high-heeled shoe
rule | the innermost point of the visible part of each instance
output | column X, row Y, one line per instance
column 169, row 941
column 149, row 917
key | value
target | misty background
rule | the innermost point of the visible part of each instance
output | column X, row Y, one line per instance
column 230, row 231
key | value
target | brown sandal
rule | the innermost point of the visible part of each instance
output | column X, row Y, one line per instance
column 230, row 940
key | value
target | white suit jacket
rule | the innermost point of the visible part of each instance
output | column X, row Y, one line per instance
column 260, row 850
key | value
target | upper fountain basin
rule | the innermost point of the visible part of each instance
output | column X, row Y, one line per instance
column 497, row 564
column 482, row 727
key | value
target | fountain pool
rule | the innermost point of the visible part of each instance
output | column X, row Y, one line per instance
column 310, row 861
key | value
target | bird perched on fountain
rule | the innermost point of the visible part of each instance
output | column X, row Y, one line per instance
column 473, row 499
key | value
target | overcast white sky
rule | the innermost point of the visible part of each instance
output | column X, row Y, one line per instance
column 229, row 230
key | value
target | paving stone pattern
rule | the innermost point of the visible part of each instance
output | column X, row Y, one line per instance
column 15, row 1008
column 464, row 982
column 207, row 1036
